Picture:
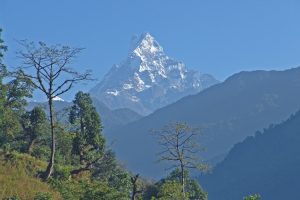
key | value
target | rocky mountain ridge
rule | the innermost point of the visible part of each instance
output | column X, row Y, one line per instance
column 148, row 79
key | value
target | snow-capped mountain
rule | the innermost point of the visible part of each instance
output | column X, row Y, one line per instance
column 148, row 79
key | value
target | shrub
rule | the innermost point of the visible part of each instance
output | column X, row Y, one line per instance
column 43, row 196
column 171, row 190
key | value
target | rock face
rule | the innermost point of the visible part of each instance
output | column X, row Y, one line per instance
column 148, row 79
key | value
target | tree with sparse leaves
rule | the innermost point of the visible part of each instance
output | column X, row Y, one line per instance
column 49, row 70
column 180, row 147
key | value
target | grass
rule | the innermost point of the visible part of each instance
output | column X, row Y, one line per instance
column 18, row 177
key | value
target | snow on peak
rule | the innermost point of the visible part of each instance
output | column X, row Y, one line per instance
column 146, row 44
column 148, row 79
column 57, row 98
column 149, row 55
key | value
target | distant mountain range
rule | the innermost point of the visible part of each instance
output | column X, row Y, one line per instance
column 148, row 79
column 226, row 113
column 110, row 118
column 267, row 164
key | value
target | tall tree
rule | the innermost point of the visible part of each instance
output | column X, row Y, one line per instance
column 49, row 70
column 89, row 144
column 180, row 147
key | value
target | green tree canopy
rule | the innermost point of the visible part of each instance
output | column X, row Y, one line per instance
column 88, row 144
column 192, row 187
column 34, row 125
column 13, row 93
column 171, row 190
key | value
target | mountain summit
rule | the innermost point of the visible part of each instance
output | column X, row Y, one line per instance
column 148, row 79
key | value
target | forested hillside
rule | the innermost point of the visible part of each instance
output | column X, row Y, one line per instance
column 267, row 163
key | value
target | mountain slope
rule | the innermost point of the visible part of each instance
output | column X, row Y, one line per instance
column 267, row 164
column 114, row 118
column 226, row 113
column 148, row 79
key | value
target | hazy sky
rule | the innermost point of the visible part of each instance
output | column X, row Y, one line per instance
column 220, row 37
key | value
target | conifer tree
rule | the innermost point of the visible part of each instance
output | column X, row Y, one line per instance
column 88, row 144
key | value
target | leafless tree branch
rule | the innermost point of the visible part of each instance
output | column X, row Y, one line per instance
column 48, row 68
column 180, row 147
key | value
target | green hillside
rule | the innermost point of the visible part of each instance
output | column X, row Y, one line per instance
column 18, row 177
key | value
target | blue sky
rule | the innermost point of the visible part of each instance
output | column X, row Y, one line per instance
column 220, row 37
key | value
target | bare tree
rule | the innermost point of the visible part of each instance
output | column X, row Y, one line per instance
column 48, row 68
column 180, row 147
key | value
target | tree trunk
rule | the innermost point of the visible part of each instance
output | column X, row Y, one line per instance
column 31, row 145
column 81, row 158
column 182, row 179
column 50, row 166
column 134, row 188
column 81, row 153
